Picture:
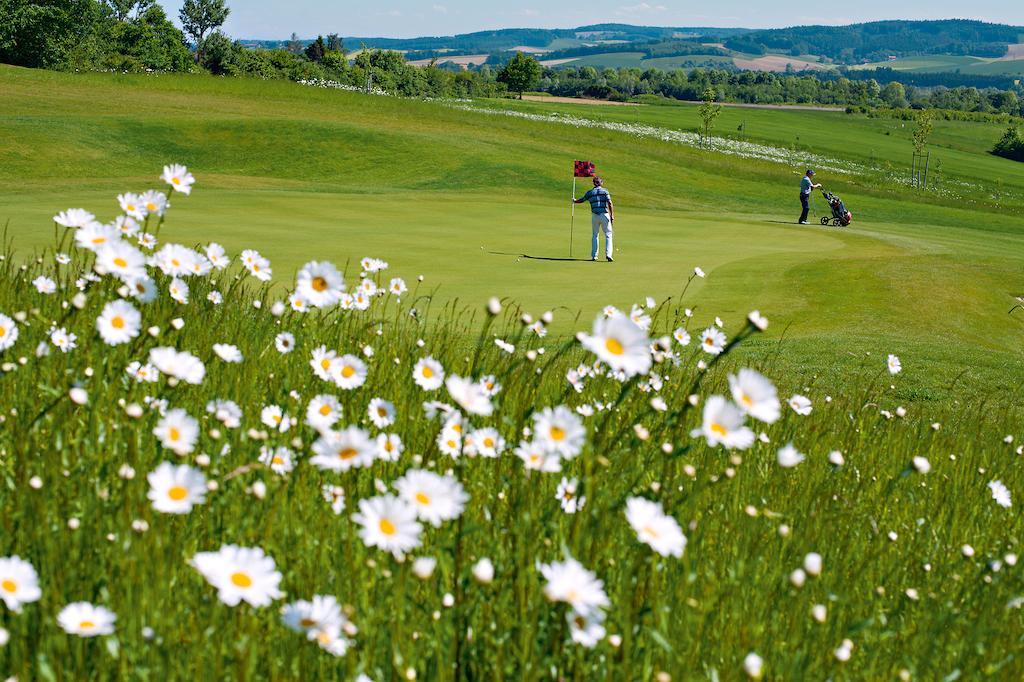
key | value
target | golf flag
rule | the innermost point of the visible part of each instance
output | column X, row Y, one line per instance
column 583, row 169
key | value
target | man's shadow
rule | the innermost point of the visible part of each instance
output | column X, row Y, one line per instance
column 524, row 255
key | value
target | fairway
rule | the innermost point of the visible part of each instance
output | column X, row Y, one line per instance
column 478, row 205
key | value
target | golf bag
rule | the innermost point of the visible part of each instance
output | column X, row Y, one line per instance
column 840, row 216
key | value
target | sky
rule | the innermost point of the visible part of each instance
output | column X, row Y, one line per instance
column 270, row 19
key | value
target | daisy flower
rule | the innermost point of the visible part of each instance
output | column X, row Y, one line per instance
column 74, row 217
column 755, row 395
column 486, row 442
column 323, row 412
column 285, row 343
column 8, row 332
column 723, row 424
column 560, row 430
column 619, row 343
column 132, row 205
column 19, row 583
column 142, row 372
column 179, row 290
column 217, row 256
column 178, row 177
column 298, row 303
column 322, row 361
column 176, row 489
column 568, row 581
column 180, row 365
column 449, row 441
column 215, row 297
column 712, row 340
column 44, row 285
column 280, row 460
column 348, row 372
column 85, row 620
column 587, row 631
column 63, row 340
column 319, row 283
column 1001, row 494
column 343, row 450
column 388, row 523
column 257, row 265
column 469, row 395
column 435, row 498
column 490, row 385
column 323, row 613
column 175, row 260
column 801, row 405
column 335, row 496
column 788, row 456
column 154, row 202
column 536, row 457
column 382, row 413
column 639, row 317
column 143, row 289
column 94, row 235
column 227, row 352
column 127, row 226
column 118, row 323
column 567, row 497
column 397, row 286
column 120, row 259
column 389, row 447
column 681, row 336
column 428, row 374
column 274, row 417
column 894, row 364
column 654, row 527
column 227, row 412
column 177, row 431
column 240, row 574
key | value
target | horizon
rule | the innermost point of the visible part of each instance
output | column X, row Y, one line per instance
column 404, row 19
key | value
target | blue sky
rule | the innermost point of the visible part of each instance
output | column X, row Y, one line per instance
column 409, row 18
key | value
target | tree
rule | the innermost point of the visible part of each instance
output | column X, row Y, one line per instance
column 294, row 44
column 520, row 74
column 708, row 112
column 41, row 34
column 121, row 9
column 199, row 17
column 895, row 95
column 316, row 50
column 1011, row 146
column 335, row 43
column 922, row 130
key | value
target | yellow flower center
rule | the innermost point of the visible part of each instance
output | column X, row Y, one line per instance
column 382, row 412
column 174, row 433
column 177, row 493
column 347, row 371
column 650, row 532
column 557, row 433
column 120, row 262
column 117, row 322
column 175, row 262
column 3, row 331
column 427, row 372
column 87, row 625
column 99, row 240
column 307, row 622
column 277, row 460
column 9, row 585
column 241, row 580
column 489, row 442
column 319, row 284
column 151, row 206
column 347, row 453
column 718, row 428
column 457, row 428
column 422, row 498
column 176, row 181
column 325, row 363
column 746, row 400
column 325, row 409
column 614, row 347
column 387, row 527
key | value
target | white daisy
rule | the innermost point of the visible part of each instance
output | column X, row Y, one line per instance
column 388, row 523
column 284, row 342
column 74, row 217
column 44, row 285
column 85, row 620
column 381, row 412
column 619, row 343
column 178, row 290
column 320, row 284
column 118, row 323
column 435, row 498
column 274, row 417
column 389, row 447
column 567, row 497
column 343, row 450
column 801, row 405
column 181, row 365
column 537, row 458
column 178, row 177
column 568, row 581
column 63, row 340
column 1001, row 494
column 19, row 583
column 560, row 430
column 712, row 340
column 348, row 372
column 654, row 527
column 723, row 424
column 428, row 374
column 755, row 395
column 8, row 332
column 176, row 489
column 120, row 259
column 469, row 395
column 894, row 364
column 323, row 412
column 240, row 574
column 227, row 352
column 280, row 460
column 177, row 431
column 789, row 456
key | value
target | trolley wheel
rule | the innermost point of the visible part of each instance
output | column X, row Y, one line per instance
column 836, row 222
column 824, row 221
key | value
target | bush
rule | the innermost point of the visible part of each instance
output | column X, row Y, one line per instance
column 1011, row 145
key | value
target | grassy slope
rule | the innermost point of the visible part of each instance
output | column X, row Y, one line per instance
column 451, row 194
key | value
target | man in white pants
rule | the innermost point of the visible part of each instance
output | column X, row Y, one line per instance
column 602, row 216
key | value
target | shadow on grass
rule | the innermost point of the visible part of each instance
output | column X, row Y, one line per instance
column 551, row 258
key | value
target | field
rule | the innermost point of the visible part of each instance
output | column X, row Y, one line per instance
column 978, row 66
column 890, row 551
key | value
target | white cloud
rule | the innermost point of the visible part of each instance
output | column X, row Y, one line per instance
column 642, row 8
column 440, row 9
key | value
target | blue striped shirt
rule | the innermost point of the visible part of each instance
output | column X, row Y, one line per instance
column 599, row 199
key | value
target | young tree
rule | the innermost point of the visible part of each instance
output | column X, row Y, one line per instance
column 335, row 43
column 294, row 44
column 922, row 130
column 199, row 17
column 520, row 74
column 708, row 112
column 121, row 9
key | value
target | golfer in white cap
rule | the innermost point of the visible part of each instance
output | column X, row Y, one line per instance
column 602, row 216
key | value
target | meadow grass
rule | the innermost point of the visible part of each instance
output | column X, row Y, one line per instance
column 919, row 565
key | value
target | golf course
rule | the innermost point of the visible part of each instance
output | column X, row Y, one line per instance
column 478, row 204
column 302, row 383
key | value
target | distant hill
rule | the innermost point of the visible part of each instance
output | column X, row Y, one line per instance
column 880, row 40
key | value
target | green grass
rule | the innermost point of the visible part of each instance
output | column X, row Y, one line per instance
column 459, row 197
column 963, row 64
column 304, row 174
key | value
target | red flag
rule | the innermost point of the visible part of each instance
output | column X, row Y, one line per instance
column 583, row 169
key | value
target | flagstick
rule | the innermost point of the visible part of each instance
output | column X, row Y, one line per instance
column 572, row 220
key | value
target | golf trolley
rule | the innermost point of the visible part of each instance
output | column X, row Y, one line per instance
column 840, row 216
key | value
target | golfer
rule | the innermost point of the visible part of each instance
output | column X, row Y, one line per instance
column 807, row 185
column 602, row 217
